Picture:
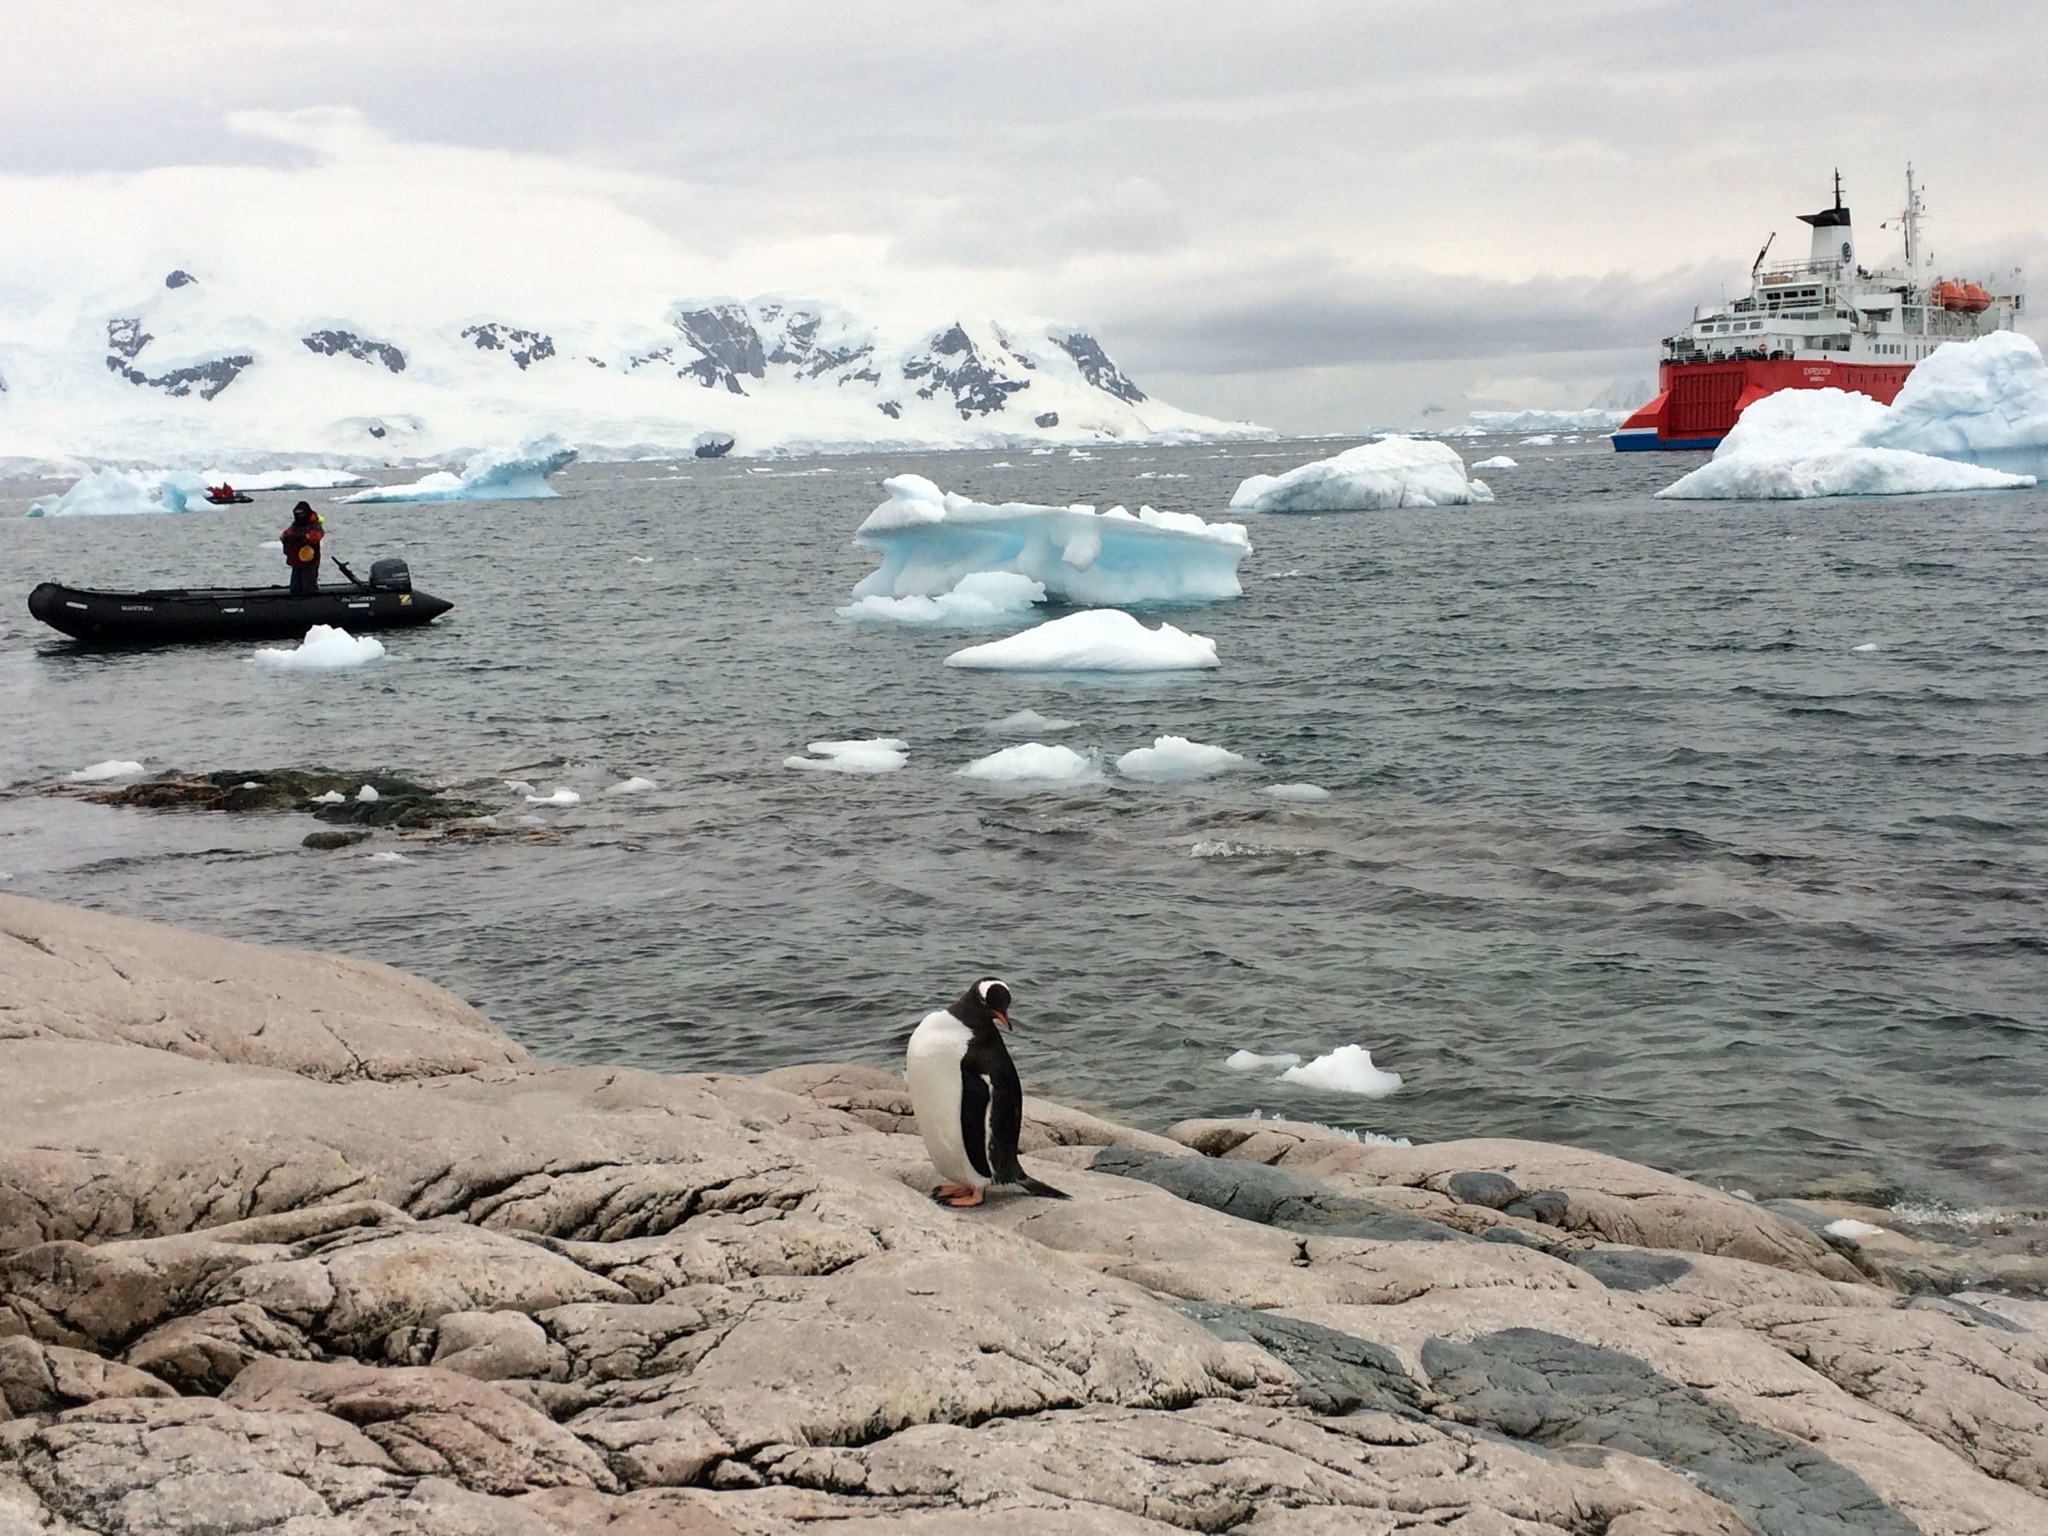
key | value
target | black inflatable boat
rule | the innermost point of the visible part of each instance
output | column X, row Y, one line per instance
column 386, row 601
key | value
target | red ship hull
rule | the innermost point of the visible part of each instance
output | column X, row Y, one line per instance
column 1697, row 403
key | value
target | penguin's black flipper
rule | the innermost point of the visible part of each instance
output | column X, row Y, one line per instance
column 1006, row 1117
column 1034, row 1187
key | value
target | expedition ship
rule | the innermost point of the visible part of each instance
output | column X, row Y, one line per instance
column 1812, row 324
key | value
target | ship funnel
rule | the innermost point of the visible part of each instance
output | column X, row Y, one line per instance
column 1834, row 241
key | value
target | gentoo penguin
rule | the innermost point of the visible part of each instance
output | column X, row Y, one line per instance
column 969, row 1103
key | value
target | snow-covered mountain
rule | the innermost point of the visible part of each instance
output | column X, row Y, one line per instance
column 180, row 374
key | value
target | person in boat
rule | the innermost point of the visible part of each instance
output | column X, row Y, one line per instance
column 302, row 549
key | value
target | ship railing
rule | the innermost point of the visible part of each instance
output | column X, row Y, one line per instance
column 1790, row 269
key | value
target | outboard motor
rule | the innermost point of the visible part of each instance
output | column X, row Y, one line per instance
column 390, row 575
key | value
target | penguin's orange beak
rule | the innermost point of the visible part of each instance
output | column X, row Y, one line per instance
column 1002, row 1018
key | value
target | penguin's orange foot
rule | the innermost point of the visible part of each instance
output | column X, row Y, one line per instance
column 959, row 1196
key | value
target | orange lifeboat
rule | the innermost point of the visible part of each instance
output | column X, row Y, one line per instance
column 1968, row 298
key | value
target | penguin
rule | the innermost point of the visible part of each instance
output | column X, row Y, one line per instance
column 969, row 1103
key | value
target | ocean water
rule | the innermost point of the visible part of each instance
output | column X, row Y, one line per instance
column 1632, row 841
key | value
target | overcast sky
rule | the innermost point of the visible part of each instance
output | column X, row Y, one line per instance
column 1320, row 214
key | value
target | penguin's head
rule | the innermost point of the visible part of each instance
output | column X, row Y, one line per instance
column 986, row 1002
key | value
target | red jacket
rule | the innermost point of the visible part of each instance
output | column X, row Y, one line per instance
column 302, row 541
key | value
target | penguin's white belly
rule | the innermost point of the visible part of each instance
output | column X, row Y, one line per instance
column 933, row 1069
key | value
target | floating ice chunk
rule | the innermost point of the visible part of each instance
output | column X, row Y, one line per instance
column 1397, row 472
column 929, row 539
column 368, row 794
column 1866, row 646
column 1851, row 1228
column 879, row 754
column 332, row 797
column 1252, row 1061
column 1175, row 759
column 980, row 597
column 1102, row 640
column 325, row 649
column 1835, row 472
column 519, row 786
column 1347, row 1069
column 112, row 768
column 518, row 473
column 1301, row 792
column 388, row 856
column 633, row 786
column 1026, row 721
column 641, row 559
column 1032, row 762
column 1983, row 401
column 1543, row 440
column 1498, row 461
column 118, row 492
column 1217, row 848
column 560, row 795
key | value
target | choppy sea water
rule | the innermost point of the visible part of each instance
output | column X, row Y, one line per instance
column 1634, row 842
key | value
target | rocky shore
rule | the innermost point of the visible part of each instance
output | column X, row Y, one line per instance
column 297, row 1244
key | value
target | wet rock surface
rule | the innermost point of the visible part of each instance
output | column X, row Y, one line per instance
column 332, row 795
column 299, row 1245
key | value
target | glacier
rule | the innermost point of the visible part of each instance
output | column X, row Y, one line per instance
column 253, row 367
column 1100, row 640
column 1394, row 472
column 1973, row 416
column 930, row 540
column 517, row 473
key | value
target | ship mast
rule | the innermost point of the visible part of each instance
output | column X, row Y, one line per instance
column 1909, row 221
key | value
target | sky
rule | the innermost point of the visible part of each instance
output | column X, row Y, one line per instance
column 1323, row 215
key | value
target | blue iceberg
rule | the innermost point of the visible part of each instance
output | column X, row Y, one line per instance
column 929, row 540
column 497, row 474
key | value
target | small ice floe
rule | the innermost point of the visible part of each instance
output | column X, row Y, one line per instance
column 1253, row 1061
column 112, row 768
column 980, row 597
column 1033, row 762
column 368, row 793
column 560, row 795
column 1305, row 793
column 1498, row 461
column 517, row 473
column 387, row 856
column 519, row 786
column 1026, row 721
column 332, row 797
column 878, row 754
column 633, row 786
column 1541, row 440
column 1852, row 1229
column 1175, row 759
column 641, row 559
column 1347, row 1069
column 1217, row 848
column 1101, row 640
column 325, row 649
column 1865, row 648
column 1397, row 472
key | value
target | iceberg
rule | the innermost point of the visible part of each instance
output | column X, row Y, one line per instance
column 1253, row 1061
column 325, row 649
column 1397, row 472
column 1304, row 793
column 112, row 768
column 122, row 492
column 1101, row 640
column 559, row 795
column 1803, row 443
column 1175, row 759
column 1025, row 721
column 1983, row 402
column 1032, row 762
column 1347, row 1069
column 1498, row 461
column 1500, row 423
column 879, row 754
column 930, row 539
column 981, row 597
column 497, row 474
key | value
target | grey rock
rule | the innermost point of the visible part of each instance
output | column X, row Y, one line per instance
column 1096, row 367
column 1270, row 1196
column 1339, row 1374
column 361, row 348
column 1539, row 1386
column 1495, row 1191
column 1632, row 1269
